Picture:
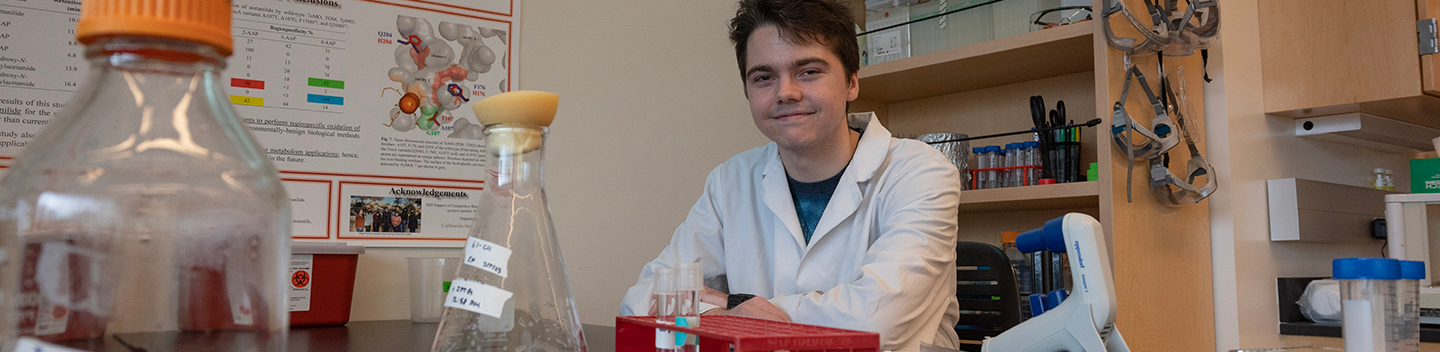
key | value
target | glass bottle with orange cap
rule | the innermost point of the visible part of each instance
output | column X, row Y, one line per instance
column 145, row 213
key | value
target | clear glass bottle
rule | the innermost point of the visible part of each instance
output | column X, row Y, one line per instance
column 1024, row 271
column 145, row 209
column 512, row 213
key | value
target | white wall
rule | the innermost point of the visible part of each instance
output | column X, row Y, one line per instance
column 650, row 102
column 1247, row 148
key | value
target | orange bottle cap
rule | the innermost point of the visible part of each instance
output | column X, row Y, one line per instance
column 1009, row 236
column 203, row 21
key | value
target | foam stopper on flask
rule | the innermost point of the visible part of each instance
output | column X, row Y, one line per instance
column 524, row 107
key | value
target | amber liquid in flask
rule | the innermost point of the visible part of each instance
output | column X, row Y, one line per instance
column 512, row 262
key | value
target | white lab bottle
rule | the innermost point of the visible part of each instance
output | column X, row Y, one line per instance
column 1408, row 301
column 1371, row 316
column 663, row 295
column 982, row 161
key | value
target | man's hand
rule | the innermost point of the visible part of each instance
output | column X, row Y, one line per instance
column 757, row 307
column 713, row 296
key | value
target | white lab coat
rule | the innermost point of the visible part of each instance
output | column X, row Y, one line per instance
column 881, row 259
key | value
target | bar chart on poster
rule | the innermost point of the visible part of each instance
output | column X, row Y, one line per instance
column 362, row 104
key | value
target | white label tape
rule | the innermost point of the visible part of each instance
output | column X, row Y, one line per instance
column 664, row 339
column 477, row 297
column 487, row 256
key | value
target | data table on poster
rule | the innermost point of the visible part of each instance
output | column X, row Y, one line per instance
column 286, row 69
column 37, row 77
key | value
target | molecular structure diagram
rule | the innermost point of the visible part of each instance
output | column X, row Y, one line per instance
column 433, row 80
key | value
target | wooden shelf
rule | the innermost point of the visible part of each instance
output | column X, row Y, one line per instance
column 1056, row 196
column 1024, row 57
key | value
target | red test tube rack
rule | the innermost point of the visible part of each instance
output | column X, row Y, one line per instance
column 719, row 333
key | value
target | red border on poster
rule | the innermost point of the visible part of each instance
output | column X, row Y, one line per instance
column 329, row 193
column 340, row 231
column 378, row 176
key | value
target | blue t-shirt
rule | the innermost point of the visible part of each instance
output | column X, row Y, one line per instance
column 810, row 200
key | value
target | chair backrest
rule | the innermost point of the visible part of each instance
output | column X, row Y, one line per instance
column 989, row 298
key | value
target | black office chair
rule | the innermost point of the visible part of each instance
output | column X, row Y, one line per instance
column 989, row 297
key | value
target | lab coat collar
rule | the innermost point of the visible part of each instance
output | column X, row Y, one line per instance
column 869, row 154
column 874, row 144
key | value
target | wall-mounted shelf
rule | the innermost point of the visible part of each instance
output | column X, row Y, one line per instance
column 1042, row 197
column 1024, row 57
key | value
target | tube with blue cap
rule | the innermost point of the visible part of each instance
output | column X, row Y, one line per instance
column 1085, row 320
column 1371, row 318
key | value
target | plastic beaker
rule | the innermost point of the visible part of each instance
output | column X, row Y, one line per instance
column 429, row 281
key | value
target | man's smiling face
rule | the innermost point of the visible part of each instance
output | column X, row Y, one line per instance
column 797, row 92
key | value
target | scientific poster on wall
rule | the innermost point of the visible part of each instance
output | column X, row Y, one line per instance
column 362, row 104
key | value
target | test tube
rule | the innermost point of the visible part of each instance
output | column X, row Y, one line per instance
column 980, row 163
column 1022, row 158
column 663, row 294
column 1032, row 152
column 689, row 282
column 996, row 160
column 1010, row 158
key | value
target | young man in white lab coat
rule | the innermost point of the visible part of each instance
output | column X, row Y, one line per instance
column 835, row 223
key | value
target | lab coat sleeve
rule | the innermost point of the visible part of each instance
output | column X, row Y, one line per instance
column 697, row 240
column 904, row 279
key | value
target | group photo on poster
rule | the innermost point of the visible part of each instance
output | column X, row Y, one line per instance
column 385, row 214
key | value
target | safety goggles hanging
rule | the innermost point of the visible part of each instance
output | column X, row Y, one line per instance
column 1172, row 31
column 1159, row 137
column 1169, row 188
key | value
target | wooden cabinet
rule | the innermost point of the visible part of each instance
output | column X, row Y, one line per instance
column 1326, row 57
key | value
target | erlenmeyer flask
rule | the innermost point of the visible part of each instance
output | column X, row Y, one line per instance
column 511, row 293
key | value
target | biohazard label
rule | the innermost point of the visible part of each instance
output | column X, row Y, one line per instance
column 51, row 318
column 301, row 273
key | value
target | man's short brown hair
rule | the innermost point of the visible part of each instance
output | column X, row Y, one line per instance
column 825, row 22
